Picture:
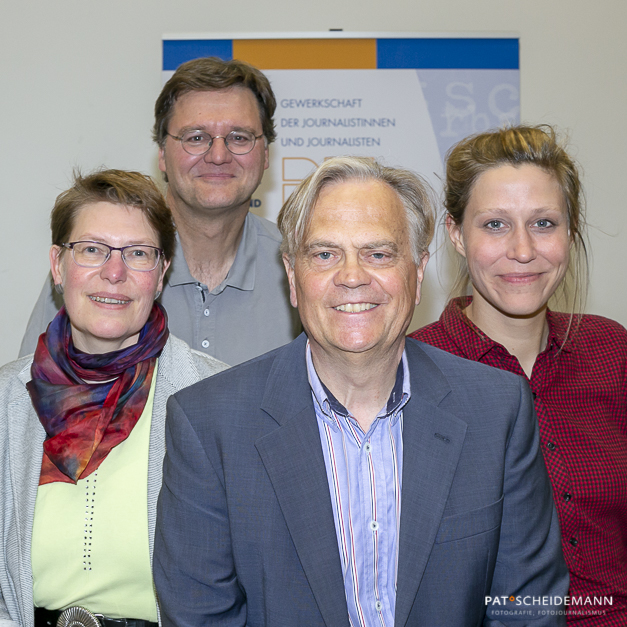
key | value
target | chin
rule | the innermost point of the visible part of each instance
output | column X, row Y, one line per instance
column 522, row 309
column 356, row 345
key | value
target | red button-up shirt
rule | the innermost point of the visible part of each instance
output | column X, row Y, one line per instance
column 580, row 391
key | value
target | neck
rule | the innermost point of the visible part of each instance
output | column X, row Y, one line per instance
column 525, row 337
column 210, row 242
column 360, row 381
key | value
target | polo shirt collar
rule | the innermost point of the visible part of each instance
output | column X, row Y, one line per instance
column 241, row 275
column 178, row 273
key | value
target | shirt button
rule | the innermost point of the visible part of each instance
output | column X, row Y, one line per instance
column 378, row 606
column 567, row 496
column 206, row 312
column 574, row 541
column 374, row 525
column 205, row 343
column 533, row 393
column 551, row 446
column 367, row 447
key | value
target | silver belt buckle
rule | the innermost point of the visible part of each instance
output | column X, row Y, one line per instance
column 78, row 616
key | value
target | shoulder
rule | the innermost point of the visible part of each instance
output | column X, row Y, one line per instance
column 184, row 366
column 463, row 376
column 243, row 386
column 434, row 334
column 591, row 333
column 487, row 400
column 597, row 327
column 233, row 384
column 451, row 332
column 265, row 228
column 13, row 379
column 207, row 366
column 450, row 362
column 14, row 368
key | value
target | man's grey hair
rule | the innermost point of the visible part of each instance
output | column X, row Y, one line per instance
column 414, row 192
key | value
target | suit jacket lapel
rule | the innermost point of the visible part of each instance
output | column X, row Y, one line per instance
column 432, row 444
column 292, row 456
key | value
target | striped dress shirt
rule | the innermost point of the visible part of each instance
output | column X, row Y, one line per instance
column 364, row 472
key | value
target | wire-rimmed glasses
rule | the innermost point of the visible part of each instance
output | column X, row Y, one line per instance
column 198, row 143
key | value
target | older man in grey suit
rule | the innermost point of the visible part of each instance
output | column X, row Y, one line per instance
column 354, row 477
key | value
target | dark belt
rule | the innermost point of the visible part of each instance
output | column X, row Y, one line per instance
column 79, row 616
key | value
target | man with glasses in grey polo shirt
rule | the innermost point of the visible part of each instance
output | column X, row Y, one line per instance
column 226, row 292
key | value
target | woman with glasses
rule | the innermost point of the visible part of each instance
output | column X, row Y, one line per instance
column 82, row 420
column 514, row 215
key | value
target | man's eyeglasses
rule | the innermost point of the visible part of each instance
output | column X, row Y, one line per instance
column 198, row 143
column 96, row 254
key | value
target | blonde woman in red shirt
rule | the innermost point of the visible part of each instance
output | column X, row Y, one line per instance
column 514, row 214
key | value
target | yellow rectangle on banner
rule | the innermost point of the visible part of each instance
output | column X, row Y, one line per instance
column 307, row 54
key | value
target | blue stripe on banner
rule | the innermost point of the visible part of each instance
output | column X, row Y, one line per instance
column 467, row 54
column 177, row 51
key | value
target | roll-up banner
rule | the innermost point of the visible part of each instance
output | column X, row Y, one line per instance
column 404, row 98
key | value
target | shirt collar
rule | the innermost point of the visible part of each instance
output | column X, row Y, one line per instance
column 475, row 343
column 241, row 274
column 329, row 405
column 562, row 330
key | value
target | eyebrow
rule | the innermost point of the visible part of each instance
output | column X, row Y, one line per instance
column 504, row 211
column 189, row 129
column 384, row 243
column 99, row 240
column 318, row 244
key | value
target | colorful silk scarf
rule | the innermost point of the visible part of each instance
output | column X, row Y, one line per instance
column 84, row 421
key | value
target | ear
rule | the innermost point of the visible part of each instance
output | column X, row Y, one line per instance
column 162, row 159
column 420, row 275
column 290, row 278
column 56, row 264
column 166, row 265
column 456, row 235
column 266, row 162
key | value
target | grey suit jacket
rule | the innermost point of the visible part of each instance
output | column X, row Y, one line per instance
column 21, row 451
column 245, row 531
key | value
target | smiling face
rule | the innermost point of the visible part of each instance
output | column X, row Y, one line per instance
column 99, row 326
column 218, row 180
column 354, row 280
column 515, row 238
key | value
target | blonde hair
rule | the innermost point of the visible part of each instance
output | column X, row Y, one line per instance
column 516, row 146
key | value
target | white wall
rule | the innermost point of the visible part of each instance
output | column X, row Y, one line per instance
column 78, row 80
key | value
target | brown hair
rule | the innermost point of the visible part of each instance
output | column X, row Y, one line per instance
column 131, row 189
column 516, row 146
column 414, row 193
column 210, row 74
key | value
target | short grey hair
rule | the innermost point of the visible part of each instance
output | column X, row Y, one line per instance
column 414, row 192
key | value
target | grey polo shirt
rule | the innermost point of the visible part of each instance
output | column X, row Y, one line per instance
column 248, row 314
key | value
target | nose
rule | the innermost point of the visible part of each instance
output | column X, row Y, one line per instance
column 218, row 153
column 114, row 270
column 351, row 273
column 522, row 246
